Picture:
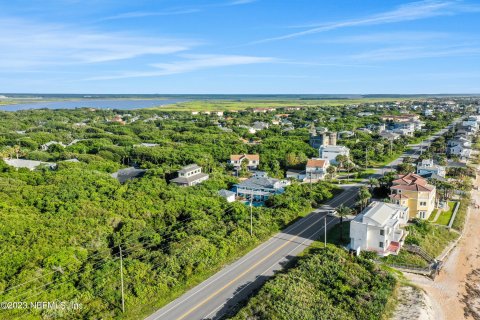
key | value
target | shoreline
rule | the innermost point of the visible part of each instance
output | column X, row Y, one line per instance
column 455, row 292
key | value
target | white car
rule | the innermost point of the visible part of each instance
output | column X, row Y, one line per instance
column 332, row 213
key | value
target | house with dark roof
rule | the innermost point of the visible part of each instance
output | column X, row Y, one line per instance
column 260, row 187
column 190, row 175
column 123, row 175
column 415, row 192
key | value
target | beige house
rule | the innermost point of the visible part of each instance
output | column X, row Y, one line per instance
column 414, row 192
column 316, row 168
column 252, row 160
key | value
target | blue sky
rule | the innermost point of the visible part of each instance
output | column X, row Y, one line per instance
column 240, row 46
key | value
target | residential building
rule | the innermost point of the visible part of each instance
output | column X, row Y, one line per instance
column 321, row 137
column 190, row 175
column 123, row 175
column 252, row 161
column 332, row 152
column 379, row 228
column 28, row 164
column 316, row 168
column 260, row 187
column 389, row 135
column 227, row 194
column 414, row 191
column 260, row 125
column 428, row 167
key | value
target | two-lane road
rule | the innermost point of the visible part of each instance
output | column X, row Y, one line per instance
column 214, row 297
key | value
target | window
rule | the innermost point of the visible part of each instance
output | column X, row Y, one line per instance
column 382, row 232
column 380, row 244
column 423, row 203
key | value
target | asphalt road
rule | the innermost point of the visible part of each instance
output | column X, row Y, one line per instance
column 414, row 150
column 215, row 296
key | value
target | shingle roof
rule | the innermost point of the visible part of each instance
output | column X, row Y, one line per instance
column 258, row 182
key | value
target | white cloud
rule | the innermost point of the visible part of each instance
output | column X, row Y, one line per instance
column 190, row 63
column 408, row 12
column 142, row 14
column 416, row 52
column 391, row 37
column 27, row 44
column 175, row 11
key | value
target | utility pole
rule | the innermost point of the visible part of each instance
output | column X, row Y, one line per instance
column 325, row 232
column 121, row 277
column 251, row 214
column 366, row 158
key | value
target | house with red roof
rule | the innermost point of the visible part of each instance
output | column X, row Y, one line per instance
column 416, row 193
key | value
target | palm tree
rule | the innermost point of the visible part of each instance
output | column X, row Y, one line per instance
column 373, row 182
column 363, row 196
column 331, row 171
column 342, row 212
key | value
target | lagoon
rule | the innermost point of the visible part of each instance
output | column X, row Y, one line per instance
column 119, row 104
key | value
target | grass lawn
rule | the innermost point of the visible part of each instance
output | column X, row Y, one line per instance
column 445, row 216
column 390, row 158
column 333, row 236
column 433, row 215
column 461, row 214
column 405, row 258
column 431, row 238
column 238, row 105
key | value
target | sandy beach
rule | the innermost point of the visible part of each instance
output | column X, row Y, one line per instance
column 455, row 293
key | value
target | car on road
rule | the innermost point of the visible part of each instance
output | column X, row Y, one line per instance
column 332, row 213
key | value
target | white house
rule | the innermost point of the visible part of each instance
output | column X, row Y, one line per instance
column 378, row 228
column 460, row 151
column 316, row 168
column 331, row 152
column 227, row 194
column 427, row 166
column 190, row 175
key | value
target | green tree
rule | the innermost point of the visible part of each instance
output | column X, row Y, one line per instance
column 343, row 211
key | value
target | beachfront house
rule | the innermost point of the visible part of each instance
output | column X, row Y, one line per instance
column 379, row 228
column 414, row 191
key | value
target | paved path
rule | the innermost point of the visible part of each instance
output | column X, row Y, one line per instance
column 215, row 296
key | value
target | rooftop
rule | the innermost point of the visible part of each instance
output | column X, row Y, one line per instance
column 316, row 162
column 381, row 213
column 189, row 168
